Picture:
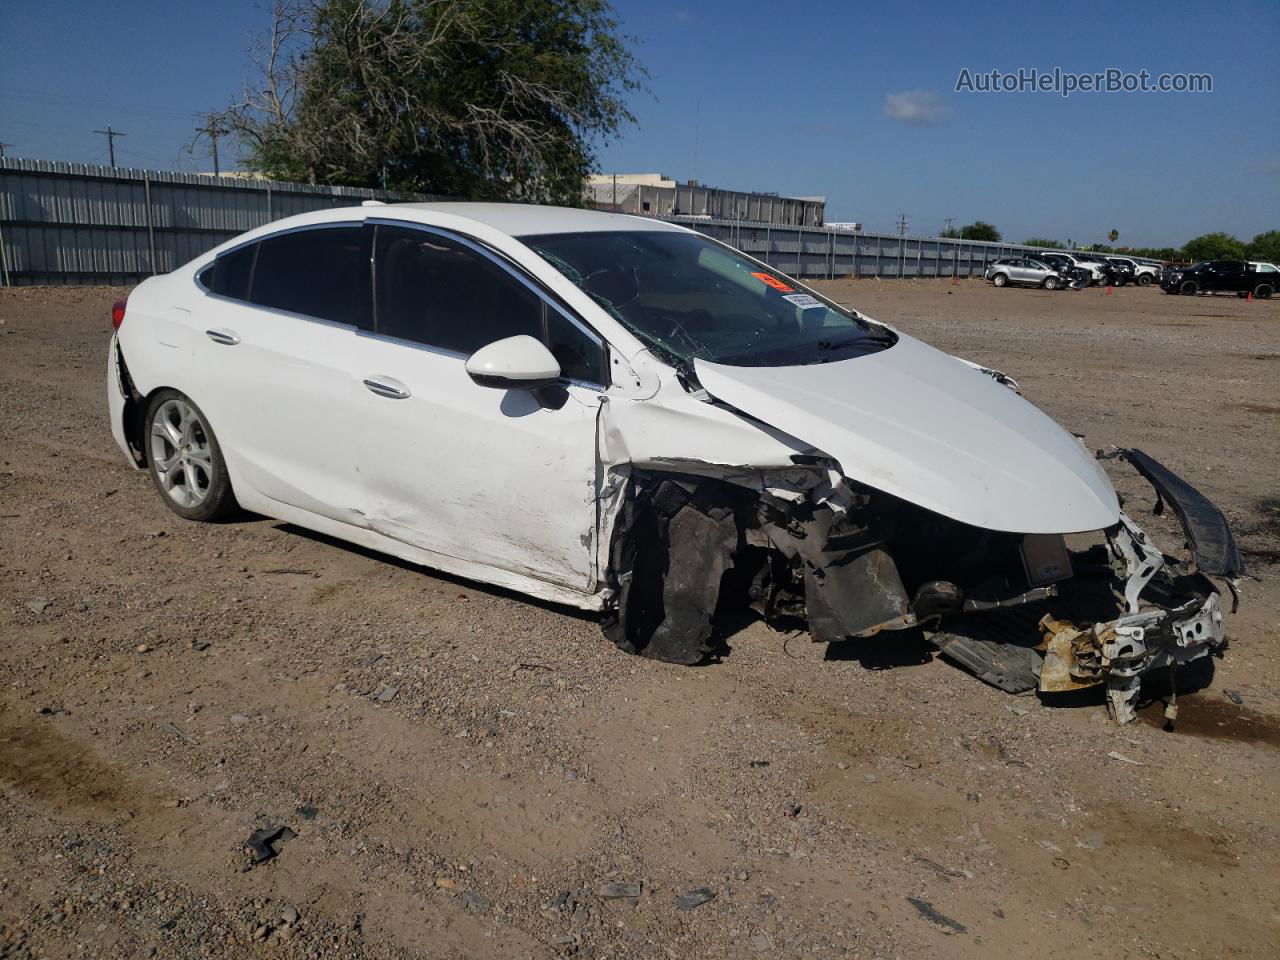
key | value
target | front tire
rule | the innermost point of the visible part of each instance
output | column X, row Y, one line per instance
column 1050, row 283
column 1189, row 288
column 185, row 460
column 1143, row 280
column 999, row 280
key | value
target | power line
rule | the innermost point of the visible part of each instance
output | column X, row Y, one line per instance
column 111, row 141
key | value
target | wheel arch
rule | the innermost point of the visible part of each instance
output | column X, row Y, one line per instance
column 133, row 415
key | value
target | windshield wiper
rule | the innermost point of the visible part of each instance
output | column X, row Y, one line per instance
column 858, row 341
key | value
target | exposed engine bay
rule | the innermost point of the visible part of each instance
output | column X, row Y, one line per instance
column 1022, row 612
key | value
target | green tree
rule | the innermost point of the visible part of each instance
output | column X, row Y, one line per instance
column 1266, row 246
column 501, row 99
column 1214, row 246
column 1043, row 243
column 951, row 233
column 980, row 230
column 1157, row 253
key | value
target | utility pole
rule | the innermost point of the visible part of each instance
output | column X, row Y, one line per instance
column 902, row 225
column 697, row 132
column 2, row 146
column 948, row 221
column 213, row 129
column 111, row 141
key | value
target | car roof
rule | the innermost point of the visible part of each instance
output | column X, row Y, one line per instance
column 530, row 219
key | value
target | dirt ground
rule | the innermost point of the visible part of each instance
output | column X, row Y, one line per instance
column 465, row 770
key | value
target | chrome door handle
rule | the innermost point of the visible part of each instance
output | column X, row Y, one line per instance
column 224, row 337
column 387, row 387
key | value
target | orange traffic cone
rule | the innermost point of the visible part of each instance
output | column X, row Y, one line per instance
column 1108, row 289
column 1251, row 296
column 955, row 280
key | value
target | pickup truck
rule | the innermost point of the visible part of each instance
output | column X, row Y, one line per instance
column 1210, row 276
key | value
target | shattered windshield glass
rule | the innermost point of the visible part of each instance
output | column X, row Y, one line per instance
column 688, row 297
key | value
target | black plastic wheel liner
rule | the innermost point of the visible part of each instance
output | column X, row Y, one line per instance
column 1208, row 534
column 674, row 542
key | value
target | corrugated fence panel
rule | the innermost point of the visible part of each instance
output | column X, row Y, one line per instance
column 76, row 223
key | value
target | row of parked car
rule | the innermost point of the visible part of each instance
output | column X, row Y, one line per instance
column 1054, row 270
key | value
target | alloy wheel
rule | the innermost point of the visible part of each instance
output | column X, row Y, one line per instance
column 181, row 453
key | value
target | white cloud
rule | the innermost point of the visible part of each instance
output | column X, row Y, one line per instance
column 916, row 108
column 683, row 16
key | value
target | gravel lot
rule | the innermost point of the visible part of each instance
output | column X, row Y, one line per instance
column 467, row 772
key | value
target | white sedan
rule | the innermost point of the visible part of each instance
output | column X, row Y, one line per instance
column 623, row 415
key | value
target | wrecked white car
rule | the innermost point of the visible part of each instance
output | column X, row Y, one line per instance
column 626, row 416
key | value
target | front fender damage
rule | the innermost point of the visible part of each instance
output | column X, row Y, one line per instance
column 788, row 543
column 695, row 546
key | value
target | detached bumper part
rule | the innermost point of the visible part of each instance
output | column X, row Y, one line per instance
column 1208, row 534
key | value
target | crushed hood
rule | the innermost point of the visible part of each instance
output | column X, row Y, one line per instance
column 921, row 425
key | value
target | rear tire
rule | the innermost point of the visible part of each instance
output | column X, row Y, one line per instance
column 185, row 460
column 1189, row 288
column 999, row 279
column 1262, row 291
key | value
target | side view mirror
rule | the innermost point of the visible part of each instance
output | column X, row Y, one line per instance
column 514, row 363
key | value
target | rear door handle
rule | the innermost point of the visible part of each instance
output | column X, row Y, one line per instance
column 227, row 338
column 387, row 387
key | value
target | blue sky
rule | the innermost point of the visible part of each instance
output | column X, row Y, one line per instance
column 854, row 101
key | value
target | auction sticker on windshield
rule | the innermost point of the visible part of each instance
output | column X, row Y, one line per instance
column 770, row 280
column 804, row 301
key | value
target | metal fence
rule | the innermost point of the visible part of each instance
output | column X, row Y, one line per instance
column 75, row 223
column 65, row 223
column 817, row 252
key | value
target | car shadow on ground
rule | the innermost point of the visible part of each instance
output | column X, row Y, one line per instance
column 460, row 582
column 884, row 651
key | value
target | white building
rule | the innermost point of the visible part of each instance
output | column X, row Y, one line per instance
column 657, row 195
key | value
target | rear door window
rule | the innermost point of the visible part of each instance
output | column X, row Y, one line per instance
column 322, row 273
column 230, row 274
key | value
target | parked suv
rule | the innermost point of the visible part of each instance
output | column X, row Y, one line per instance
column 1030, row 273
column 1211, row 276
column 1098, row 265
column 1142, row 274
column 1067, row 269
column 1094, row 269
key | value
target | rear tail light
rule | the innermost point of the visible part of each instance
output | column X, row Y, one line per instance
column 117, row 314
